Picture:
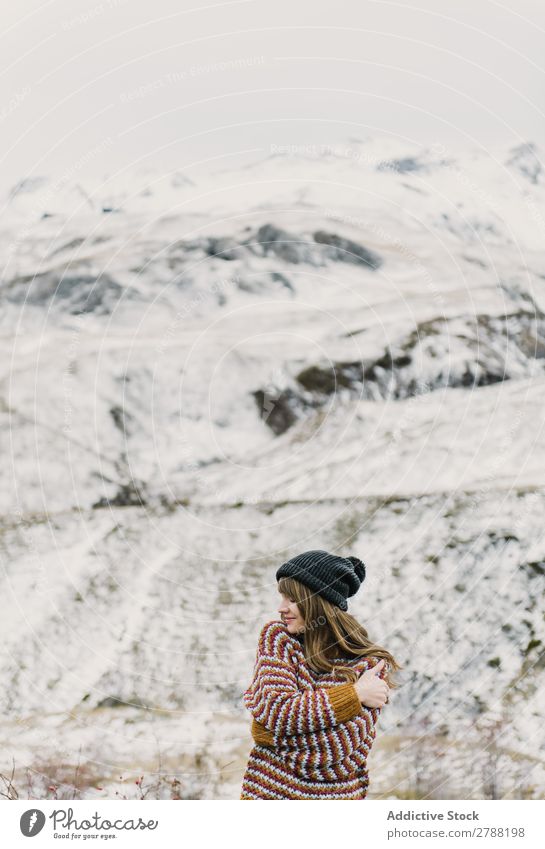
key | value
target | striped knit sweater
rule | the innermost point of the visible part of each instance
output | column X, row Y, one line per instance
column 311, row 733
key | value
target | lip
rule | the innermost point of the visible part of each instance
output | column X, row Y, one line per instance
column 289, row 618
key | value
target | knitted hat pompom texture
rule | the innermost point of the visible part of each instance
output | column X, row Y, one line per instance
column 330, row 576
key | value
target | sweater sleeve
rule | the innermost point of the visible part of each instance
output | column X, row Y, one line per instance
column 276, row 702
column 333, row 752
column 327, row 755
column 328, row 743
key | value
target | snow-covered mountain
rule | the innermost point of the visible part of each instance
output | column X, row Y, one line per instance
column 204, row 373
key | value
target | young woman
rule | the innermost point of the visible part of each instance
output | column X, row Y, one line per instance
column 318, row 687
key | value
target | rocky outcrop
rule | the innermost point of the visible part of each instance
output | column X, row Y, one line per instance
column 439, row 353
column 271, row 241
column 278, row 410
column 72, row 293
column 346, row 250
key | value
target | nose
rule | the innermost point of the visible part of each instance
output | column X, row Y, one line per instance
column 282, row 607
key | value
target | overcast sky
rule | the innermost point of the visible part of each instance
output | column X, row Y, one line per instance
column 107, row 84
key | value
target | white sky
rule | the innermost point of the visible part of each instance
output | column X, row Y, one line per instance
column 74, row 73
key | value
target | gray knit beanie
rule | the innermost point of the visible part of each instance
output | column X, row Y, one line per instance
column 330, row 576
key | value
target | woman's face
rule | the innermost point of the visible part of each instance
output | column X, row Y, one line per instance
column 290, row 615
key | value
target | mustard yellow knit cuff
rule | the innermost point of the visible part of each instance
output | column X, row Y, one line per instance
column 262, row 736
column 344, row 700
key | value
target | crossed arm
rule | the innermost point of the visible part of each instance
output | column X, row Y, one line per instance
column 277, row 704
column 323, row 723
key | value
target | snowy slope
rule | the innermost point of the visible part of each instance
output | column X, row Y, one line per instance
column 203, row 373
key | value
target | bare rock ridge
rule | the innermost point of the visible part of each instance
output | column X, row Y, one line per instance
column 73, row 293
column 77, row 291
column 440, row 353
column 270, row 240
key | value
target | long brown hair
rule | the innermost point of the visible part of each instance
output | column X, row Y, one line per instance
column 330, row 633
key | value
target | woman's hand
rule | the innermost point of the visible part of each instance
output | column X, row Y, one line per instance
column 372, row 691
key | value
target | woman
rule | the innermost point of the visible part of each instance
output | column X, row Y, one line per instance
column 318, row 687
